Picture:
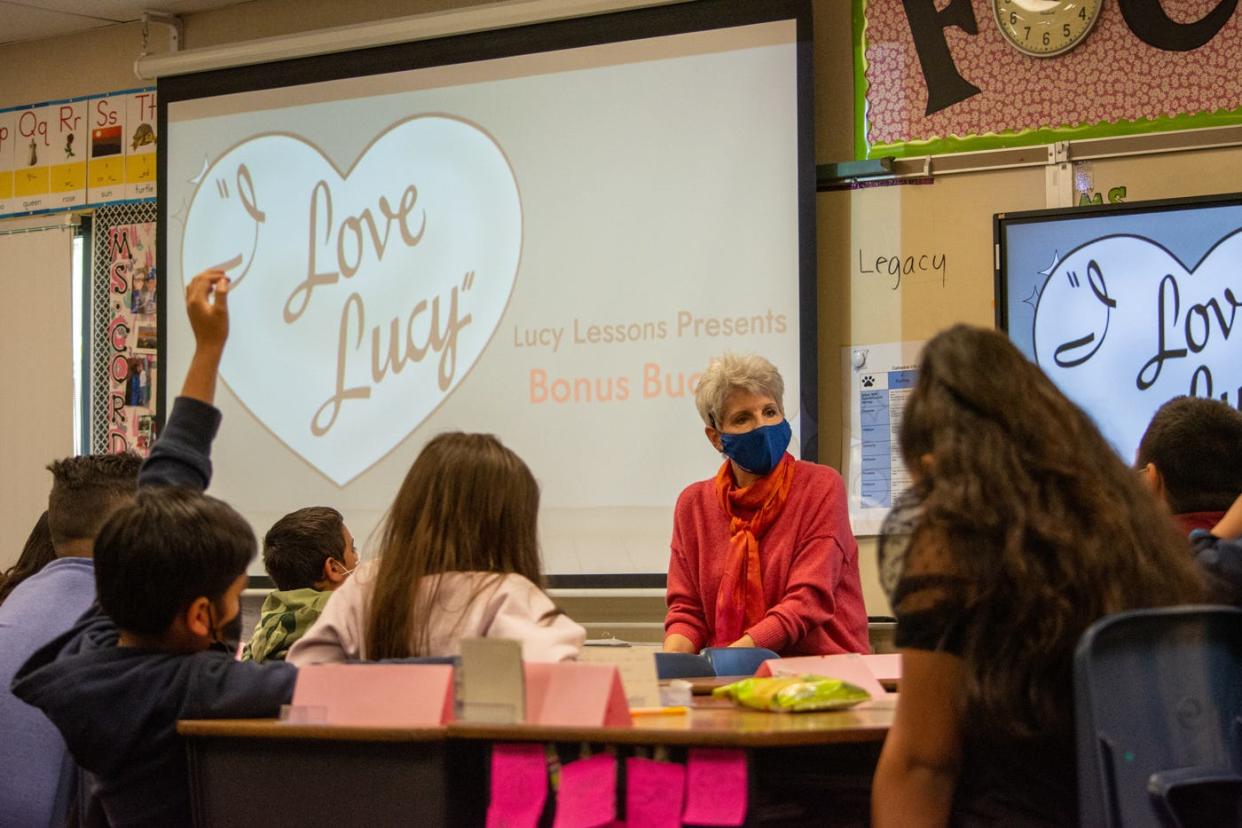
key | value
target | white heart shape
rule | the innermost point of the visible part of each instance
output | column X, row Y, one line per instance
column 413, row 252
column 1122, row 326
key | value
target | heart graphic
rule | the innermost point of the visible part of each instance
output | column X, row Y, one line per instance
column 360, row 300
column 1122, row 326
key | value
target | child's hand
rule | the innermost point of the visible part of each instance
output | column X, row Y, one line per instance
column 210, row 320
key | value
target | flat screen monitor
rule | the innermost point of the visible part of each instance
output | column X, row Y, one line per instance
column 1127, row 306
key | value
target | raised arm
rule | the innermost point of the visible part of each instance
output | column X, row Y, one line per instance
column 182, row 455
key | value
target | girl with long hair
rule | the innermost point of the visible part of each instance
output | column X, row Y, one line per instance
column 459, row 558
column 36, row 554
column 1021, row 528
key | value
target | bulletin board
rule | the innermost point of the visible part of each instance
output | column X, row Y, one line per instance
column 124, row 359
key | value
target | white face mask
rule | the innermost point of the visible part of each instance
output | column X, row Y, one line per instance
column 345, row 573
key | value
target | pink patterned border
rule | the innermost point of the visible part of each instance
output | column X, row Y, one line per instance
column 1112, row 76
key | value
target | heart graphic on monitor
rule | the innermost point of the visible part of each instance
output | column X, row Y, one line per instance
column 1122, row 326
column 362, row 295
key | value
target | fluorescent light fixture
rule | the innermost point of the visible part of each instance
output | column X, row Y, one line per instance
column 427, row 26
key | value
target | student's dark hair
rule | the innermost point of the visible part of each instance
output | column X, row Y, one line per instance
column 154, row 557
column 1028, row 527
column 296, row 546
column 36, row 554
column 86, row 491
column 468, row 504
column 1196, row 446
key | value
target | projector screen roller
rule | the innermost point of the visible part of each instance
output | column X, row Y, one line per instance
column 547, row 244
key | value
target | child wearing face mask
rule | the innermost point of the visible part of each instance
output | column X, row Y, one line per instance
column 307, row 554
column 169, row 571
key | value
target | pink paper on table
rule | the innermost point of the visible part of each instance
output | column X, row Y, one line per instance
column 378, row 695
column 847, row 667
column 654, row 793
column 575, row 694
column 716, row 787
column 885, row 666
column 519, row 786
column 588, row 794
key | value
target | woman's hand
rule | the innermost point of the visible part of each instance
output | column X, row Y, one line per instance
column 677, row 643
column 744, row 641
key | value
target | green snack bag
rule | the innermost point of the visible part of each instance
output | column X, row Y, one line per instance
column 792, row 694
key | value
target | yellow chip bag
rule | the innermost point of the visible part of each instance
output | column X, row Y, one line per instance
column 792, row 694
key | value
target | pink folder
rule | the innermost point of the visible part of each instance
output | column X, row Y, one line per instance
column 377, row 695
column 575, row 694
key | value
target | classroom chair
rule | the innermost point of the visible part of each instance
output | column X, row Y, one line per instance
column 682, row 665
column 737, row 661
column 1158, row 706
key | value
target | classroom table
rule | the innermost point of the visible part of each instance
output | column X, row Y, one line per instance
column 251, row 772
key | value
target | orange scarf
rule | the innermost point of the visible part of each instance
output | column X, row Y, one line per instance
column 739, row 601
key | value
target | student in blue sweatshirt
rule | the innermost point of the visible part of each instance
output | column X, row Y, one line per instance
column 169, row 571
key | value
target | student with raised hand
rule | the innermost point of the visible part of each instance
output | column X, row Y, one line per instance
column 458, row 558
column 1022, row 527
column 308, row 554
column 86, row 491
column 169, row 570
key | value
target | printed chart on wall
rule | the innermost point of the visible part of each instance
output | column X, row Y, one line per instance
column 881, row 378
column 545, row 247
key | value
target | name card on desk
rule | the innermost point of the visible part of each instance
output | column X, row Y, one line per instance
column 491, row 683
column 575, row 694
column 637, row 668
column 847, row 667
column 374, row 695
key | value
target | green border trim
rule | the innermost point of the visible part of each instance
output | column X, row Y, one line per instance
column 1004, row 140
column 859, row 25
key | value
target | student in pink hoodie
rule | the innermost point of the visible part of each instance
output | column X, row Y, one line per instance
column 459, row 558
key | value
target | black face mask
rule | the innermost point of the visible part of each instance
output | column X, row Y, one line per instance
column 225, row 638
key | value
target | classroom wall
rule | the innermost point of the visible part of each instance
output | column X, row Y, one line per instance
column 854, row 308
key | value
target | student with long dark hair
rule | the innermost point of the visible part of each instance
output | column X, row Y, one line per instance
column 1022, row 527
column 459, row 558
column 36, row 554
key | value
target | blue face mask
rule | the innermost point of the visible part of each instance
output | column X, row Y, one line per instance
column 758, row 450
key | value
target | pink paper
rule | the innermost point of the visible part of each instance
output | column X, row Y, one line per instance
column 519, row 786
column 884, row 666
column 654, row 793
column 378, row 695
column 588, row 793
column 848, row 667
column 716, row 787
column 575, row 694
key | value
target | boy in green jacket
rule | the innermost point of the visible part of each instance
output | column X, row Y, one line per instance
column 308, row 554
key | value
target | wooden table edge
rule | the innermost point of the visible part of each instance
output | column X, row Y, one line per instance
column 276, row 729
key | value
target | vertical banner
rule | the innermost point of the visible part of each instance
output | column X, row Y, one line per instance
column 132, row 365
column 140, row 149
column 106, row 169
column 31, row 184
column 8, row 139
column 67, row 154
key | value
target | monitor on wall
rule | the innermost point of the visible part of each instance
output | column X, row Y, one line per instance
column 543, row 233
column 1127, row 306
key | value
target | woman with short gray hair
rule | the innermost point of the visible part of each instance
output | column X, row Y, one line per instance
column 762, row 554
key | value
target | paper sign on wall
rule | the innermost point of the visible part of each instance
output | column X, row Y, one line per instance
column 140, row 145
column 31, row 185
column 8, row 139
column 67, row 154
column 106, row 171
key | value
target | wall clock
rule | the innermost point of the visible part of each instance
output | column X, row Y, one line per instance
column 1043, row 28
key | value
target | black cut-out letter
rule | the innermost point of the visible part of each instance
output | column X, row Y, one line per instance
column 1147, row 19
column 945, row 85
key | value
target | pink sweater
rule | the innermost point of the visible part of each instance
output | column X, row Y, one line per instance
column 509, row 607
column 809, row 560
